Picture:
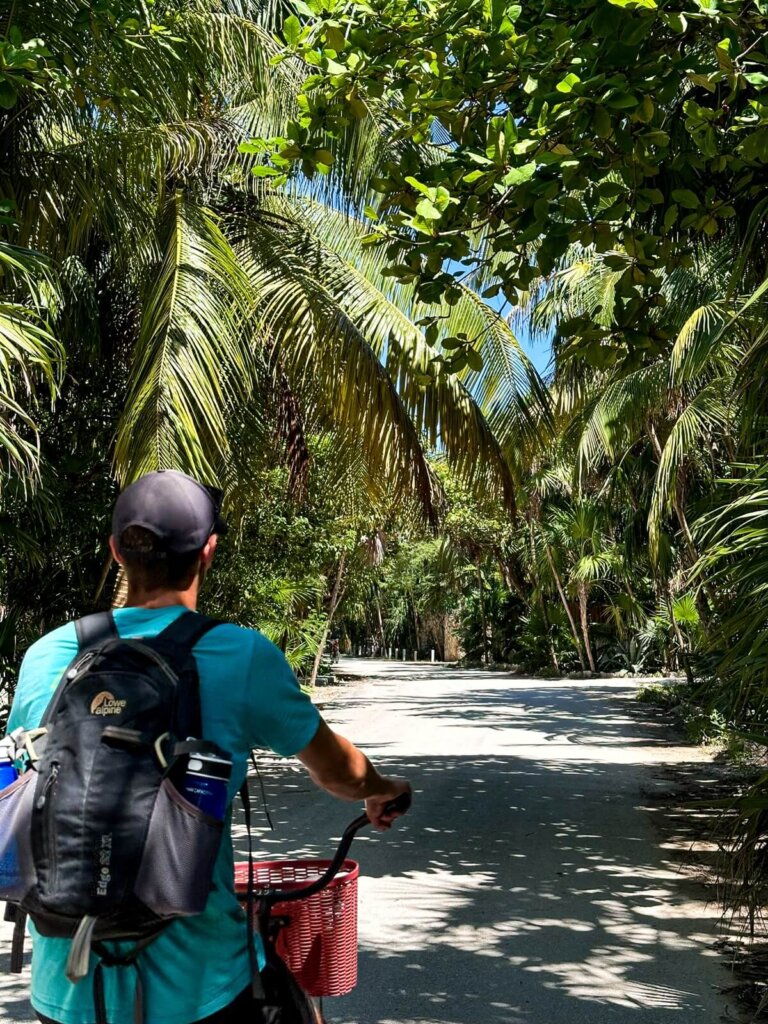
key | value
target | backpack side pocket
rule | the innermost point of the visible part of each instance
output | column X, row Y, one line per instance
column 180, row 851
column 17, row 866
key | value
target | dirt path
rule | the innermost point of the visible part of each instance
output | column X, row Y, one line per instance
column 528, row 886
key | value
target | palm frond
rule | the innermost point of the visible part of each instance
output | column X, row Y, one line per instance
column 699, row 343
column 442, row 410
column 708, row 412
column 619, row 413
column 30, row 357
column 190, row 361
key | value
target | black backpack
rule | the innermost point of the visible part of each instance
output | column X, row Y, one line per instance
column 96, row 840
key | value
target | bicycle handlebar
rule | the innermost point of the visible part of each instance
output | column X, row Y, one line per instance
column 399, row 805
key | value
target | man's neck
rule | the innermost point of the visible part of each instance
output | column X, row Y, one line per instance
column 162, row 598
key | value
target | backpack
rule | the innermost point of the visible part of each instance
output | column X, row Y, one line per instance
column 97, row 842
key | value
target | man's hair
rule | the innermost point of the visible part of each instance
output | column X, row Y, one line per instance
column 151, row 566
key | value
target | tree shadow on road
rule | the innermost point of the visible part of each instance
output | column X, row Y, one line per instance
column 519, row 891
column 591, row 712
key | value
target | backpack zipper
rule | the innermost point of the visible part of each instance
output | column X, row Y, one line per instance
column 80, row 664
column 49, row 783
column 43, row 803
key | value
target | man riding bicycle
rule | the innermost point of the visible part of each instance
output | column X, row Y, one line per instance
column 165, row 530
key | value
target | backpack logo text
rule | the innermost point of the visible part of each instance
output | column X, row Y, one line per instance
column 105, row 857
column 104, row 703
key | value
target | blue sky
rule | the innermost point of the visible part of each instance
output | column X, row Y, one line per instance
column 538, row 351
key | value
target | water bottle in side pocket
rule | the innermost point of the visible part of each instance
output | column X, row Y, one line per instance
column 8, row 773
column 206, row 783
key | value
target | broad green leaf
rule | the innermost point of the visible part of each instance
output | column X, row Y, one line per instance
column 292, row 31
column 7, row 94
column 425, row 190
column 517, row 175
column 566, row 84
column 427, row 209
column 755, row 145
column 685, row 198
column 621, row 101
column 474, row 359
column 602, row 122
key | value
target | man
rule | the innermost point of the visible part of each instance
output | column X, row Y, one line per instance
column 165, row 529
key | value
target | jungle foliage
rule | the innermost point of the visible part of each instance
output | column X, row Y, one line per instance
column 599, row 168
column 286, row 246
column 163, row 306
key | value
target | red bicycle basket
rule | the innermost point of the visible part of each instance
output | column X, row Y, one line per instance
column 319, row 944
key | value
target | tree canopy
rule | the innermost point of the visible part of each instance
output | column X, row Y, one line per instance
column 637, row 128
column 289, row 247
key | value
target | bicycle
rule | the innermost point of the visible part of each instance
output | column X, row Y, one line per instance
column 307, row 1005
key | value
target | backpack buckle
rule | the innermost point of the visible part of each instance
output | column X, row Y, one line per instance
column 24, row 743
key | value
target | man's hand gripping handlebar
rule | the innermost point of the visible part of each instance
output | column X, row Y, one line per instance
column 390, row 804
column 393, row 808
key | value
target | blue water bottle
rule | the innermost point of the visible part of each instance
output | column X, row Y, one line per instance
column 8, row 773
column 206, row 783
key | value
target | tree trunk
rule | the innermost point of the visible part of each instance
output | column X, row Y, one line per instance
column 512, row 582
column 335, row 594
column 108, row 563
column 566, row 606
column 382, row 638
column 483, row 619
column 537, row 586
column 676, row 504
column 416, row 637
column 583, row 608
column 548, row 627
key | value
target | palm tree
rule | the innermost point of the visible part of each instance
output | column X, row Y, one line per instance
column 228, row 291
column 29, row 356
column 674, row 397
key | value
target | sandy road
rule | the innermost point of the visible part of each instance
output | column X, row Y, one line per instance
column 528, row 886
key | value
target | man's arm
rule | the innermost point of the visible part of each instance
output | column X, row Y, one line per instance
column 337, row 766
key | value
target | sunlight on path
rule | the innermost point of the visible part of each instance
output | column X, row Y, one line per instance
column 528, row 885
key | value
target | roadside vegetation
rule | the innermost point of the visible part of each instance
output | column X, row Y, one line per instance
column 290, row 247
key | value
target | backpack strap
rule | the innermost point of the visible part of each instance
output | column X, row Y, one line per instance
column 188, row 629
column 106, row 958
column 18, row 918
column 91, row 630
column 252, row 912
column 95, row 629
column 182, row 634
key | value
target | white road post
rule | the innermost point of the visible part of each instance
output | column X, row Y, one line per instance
column 432, row 657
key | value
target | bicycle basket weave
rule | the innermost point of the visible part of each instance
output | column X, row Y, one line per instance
column 319, row 945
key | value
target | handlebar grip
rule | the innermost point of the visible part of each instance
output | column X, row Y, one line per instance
column 399, row 805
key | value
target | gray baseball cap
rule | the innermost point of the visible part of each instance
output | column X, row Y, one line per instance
column 179, row 510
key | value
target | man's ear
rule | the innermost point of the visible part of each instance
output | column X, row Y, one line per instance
column 115, row 553
column 206, row 555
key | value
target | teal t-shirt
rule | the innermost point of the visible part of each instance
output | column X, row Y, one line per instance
column 197, row 965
